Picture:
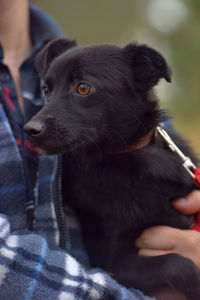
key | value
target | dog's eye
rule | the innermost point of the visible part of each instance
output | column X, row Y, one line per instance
column 83, row 89
column 46, row 92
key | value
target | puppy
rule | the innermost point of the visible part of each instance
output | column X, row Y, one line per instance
column 119, row 175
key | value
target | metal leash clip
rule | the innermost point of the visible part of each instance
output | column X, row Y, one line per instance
column 187, row 163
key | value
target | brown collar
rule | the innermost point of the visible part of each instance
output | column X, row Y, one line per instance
column 144, row 141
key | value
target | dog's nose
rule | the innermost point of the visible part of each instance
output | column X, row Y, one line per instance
column 34, row 128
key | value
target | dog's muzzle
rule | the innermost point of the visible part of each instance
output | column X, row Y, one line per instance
column 34, row 128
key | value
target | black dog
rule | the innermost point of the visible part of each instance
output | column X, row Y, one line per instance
column 119, row 175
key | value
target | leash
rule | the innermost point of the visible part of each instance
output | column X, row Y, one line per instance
column 187, row 163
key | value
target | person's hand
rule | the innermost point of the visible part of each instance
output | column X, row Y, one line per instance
column 160, row 240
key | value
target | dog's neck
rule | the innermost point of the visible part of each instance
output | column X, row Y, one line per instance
column 144, row 141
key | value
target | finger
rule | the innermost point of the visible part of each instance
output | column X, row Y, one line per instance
column 186, row 244
column 190, row 204
column 159, row 238
column 165, row 294
column 152, row 252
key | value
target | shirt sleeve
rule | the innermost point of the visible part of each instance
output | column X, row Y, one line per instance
column 29, row 269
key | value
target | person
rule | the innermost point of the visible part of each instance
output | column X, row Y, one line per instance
column 41, row 256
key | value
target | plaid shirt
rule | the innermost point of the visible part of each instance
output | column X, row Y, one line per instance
column 32, row 265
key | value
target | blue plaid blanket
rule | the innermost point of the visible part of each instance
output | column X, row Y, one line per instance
column 29, row 269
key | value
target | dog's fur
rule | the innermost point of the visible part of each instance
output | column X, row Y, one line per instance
column 116, row 193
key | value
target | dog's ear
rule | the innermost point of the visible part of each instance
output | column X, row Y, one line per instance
column 148, row 66
column 50, row 51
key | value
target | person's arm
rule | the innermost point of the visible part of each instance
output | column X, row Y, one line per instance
column 160, row 240
column 30, row 270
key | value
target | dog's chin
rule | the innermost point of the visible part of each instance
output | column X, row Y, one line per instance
column 50, row 150
column 48, row 147
column 58, row 149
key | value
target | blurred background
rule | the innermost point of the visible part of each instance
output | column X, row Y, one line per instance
column 170, row 26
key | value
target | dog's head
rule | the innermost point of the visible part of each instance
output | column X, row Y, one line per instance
column 98, row 96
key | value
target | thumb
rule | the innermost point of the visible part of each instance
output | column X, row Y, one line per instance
column 189, row 204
